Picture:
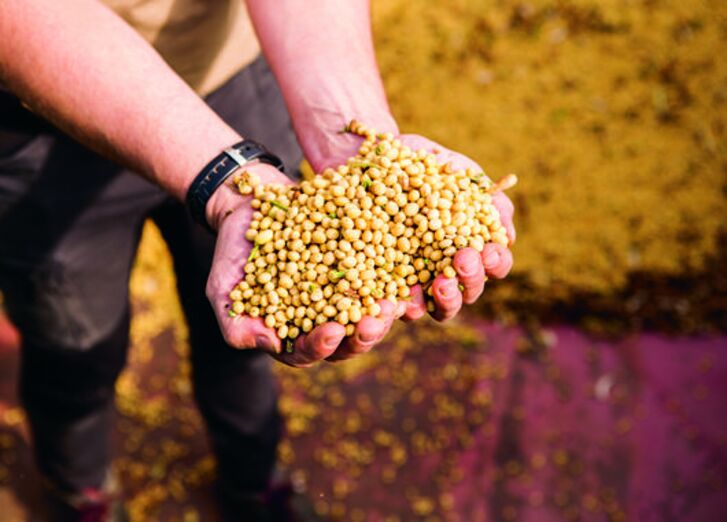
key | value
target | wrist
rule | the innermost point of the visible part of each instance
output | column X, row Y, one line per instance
column 223, row 202
column 226, row 199
column 324, row 142
column 180, row 163
column 243, row 155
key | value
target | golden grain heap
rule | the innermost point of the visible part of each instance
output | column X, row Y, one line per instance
column 329, row 248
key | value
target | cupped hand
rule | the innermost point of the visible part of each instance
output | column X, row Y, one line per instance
column 230, row 213
column 472, row 267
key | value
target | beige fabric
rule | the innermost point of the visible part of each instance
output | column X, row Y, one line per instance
column 204, row 41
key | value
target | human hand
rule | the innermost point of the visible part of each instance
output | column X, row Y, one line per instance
column 472, row 267
column 230, row 213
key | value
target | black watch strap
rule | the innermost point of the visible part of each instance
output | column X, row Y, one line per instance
column 219, row 169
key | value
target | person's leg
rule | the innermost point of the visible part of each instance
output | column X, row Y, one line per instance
column 69, row 226
column 235, row 389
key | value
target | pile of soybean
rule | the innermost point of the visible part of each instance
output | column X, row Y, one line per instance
column 331, row 247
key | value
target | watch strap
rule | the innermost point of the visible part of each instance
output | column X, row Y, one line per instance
column 219, row 169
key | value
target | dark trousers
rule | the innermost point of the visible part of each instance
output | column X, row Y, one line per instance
column 70, row 223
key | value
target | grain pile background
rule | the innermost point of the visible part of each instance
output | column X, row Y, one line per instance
column 613, row 114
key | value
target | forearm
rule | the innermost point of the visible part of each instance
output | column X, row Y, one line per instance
column 322, row 55
column 83, row 68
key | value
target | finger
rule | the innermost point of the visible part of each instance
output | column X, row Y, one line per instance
column 389, row 312
column 320, row 343
column 506, row 209
column 497, row 260
column 468, row 264
column 323, row 341
column 400, row 308
column 297, row 355
column 292, row 355
column 447, row 297
column 249, row 332
column 416, row 307
column 369, row 331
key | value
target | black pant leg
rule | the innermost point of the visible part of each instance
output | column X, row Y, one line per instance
column 68, row 398
column 234, row 389
column 69, row 225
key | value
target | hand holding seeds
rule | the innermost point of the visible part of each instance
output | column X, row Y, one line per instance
column 249, row 331
column 402, row 223
column 232, row 213
column 447, row 293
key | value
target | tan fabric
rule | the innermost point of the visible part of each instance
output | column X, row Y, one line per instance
column 204, row 41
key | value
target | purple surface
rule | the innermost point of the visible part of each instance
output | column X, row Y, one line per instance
column 479, row 422
column 575, row 430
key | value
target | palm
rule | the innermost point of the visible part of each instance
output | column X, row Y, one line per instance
column 231, row 253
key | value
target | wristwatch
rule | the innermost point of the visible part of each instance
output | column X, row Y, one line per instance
column 220, row 168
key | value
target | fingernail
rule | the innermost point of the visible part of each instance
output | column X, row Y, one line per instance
column 444, row 291
column 467, row 269
column 331, row 341
column 492, row 258
column 366, row 337
column 262, row 342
